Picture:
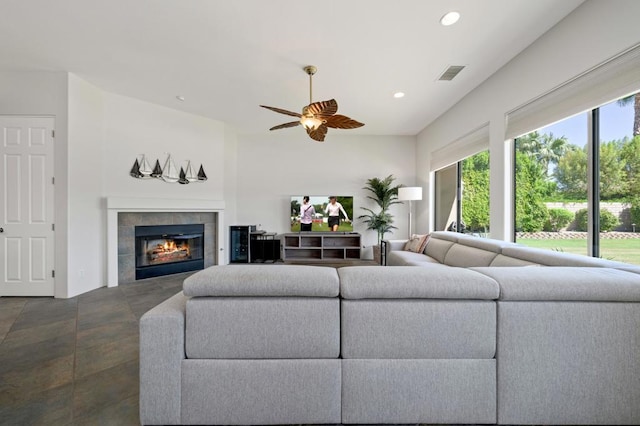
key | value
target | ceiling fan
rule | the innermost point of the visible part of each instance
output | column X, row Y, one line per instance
column 317, row 117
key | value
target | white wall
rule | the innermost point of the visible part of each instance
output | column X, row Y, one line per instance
column 134, row 127
column 274, row 167
column 230, row 182
column 98, row 136
column 594, row 32
column 87, row 217
column 106, row 134
column 45, row 93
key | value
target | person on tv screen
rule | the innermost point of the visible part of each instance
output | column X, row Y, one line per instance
column 333, row 209
column 307, row 211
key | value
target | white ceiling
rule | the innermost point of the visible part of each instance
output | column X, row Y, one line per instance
column 228, row 57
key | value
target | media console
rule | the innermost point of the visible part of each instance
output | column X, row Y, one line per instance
column 321, row 246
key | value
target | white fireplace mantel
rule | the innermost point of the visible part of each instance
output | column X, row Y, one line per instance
column 117, row 205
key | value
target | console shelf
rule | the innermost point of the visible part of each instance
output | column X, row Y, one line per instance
column 321, row 246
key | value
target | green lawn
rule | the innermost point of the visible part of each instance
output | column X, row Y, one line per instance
column 627, row 250
column 323, row 227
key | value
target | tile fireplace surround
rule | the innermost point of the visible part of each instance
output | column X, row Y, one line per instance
column 123, row 214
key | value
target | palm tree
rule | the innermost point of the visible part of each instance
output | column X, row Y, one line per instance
column 635, row 99
column 544, row 148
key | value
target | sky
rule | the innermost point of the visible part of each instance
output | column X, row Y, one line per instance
column 615, row 123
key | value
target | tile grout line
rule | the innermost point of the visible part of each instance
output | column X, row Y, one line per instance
column 14, row 322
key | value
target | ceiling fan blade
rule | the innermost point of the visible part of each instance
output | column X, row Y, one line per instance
column 323, row 109
column 282, row 111
column 285, row 125
column 342, row 122
column 318, row 134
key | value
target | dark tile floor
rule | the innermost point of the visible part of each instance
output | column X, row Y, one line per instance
column 75, row 361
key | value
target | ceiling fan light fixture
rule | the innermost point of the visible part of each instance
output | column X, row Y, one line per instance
column 316, row 117
column 310, row 122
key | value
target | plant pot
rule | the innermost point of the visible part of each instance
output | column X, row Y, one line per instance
column 376, row 253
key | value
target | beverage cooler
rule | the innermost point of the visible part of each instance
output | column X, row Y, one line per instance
column 239, row 243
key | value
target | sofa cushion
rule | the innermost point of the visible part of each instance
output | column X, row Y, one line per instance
column 418, row 329
column 502, row 260
column 629, row 268
column 263, row 280
column 568, row 363
column 266, row 392
column 417, row 243
column 554, row 258
column 446, row 235
column 565, row 283
column 487, row 244
column 438, row 248
column 465, row 256
column 409, row 258
column 419, row 391
column 407, row 282
column 262, row 327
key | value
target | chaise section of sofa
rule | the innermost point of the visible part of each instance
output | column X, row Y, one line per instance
column 418, row 345
column 252, row 344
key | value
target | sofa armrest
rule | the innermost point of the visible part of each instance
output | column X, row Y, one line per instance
column 162, row 350
column 394, row 245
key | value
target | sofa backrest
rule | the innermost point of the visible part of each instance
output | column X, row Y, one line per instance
column 555, row 258
column 463, row 250
column 565, row 283
column 502, row 260
column 263, row 281
column 465, row 256
column 454, row 249
column 438, row 248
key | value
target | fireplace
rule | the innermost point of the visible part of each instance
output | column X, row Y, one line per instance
column 168, row 249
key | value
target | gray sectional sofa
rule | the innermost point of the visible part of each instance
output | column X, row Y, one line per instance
column 463, row 250
column 479, row 344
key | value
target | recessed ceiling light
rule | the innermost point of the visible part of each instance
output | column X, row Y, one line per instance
column 180, row 98
column 450, row 18
column 398, row 95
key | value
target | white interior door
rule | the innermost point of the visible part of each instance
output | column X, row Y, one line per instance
column 26, row 206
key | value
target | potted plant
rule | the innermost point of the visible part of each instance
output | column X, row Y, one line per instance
column 385, row 195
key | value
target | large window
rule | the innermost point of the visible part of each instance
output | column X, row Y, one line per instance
column 619, row 212
column 462, row 196
column 561, row 205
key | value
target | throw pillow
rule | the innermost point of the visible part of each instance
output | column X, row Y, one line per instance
column 417, row 243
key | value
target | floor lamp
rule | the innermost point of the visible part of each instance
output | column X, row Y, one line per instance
column 409, row 193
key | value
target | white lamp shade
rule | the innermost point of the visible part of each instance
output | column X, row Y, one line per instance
column 407, row 193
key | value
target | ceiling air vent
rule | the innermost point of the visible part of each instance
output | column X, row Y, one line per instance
column 451, row 72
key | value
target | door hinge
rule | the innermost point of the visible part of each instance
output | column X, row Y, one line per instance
column 53, row 133
column 53, row 273
column 53, row 226
column 53, row 181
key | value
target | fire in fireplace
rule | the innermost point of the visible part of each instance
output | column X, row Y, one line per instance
column 168, row 249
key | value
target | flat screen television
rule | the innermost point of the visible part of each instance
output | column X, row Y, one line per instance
column 320, row 217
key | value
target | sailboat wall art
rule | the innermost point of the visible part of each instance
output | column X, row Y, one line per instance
column 168, row 173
